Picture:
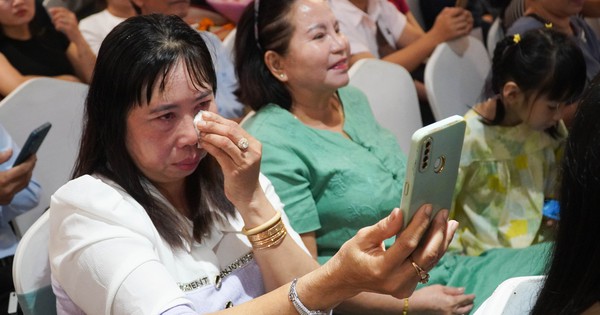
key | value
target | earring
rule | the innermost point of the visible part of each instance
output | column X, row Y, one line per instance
column 281, row 75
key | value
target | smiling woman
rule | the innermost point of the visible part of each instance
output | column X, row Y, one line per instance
column 334, row 167
column 163, row 219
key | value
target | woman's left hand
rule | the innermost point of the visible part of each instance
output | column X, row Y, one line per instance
column 224, row 139
column 440, row 300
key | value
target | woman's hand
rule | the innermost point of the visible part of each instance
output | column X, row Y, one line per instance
column 65, row 21
column 220, row 137
column 440, row 300
column 16, row 178
column 363, row 264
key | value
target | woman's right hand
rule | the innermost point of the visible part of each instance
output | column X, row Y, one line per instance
column 220, row 138
column 363, row 263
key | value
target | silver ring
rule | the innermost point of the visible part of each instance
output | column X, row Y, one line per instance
column 243, row 144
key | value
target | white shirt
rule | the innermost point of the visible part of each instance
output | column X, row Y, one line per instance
column 95, row 27
column 109, row 258
column 361, row 27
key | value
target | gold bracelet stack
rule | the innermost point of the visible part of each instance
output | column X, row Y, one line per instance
column 268, row 234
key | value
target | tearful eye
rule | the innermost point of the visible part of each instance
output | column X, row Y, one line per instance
column 167, row 116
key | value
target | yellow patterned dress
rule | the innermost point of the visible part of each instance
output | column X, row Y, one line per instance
column 505, row 174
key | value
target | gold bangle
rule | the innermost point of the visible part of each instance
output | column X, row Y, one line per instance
column 270, row 239
column 273, row 243
column 268, row 233
column 265, row 226
column 405, row 308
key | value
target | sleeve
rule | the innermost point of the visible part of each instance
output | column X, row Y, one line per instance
column 105, row 245
column 394, row 20
column 402, row 6
column 552, row 161
column 523, row 25
column 89, row 31
column 27, row 198
column 290, row 177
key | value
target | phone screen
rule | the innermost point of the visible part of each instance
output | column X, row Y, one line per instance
column 33, row 143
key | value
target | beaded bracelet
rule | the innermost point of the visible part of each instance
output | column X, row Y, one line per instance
column 405, row 308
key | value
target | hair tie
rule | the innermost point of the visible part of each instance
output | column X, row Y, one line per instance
column 548, row 25
column 516, row 38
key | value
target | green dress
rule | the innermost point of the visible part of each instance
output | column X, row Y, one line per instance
column 505, row 175
column 330, row 184
column 335, row 186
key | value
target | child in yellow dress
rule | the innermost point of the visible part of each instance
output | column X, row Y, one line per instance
column 509, row 163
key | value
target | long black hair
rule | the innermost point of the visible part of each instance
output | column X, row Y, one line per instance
column 134, row 59
column 264, row 25
column 573, row 281
column 542, row 62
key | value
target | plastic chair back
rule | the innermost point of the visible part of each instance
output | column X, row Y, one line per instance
column 31, row 270
column 392, row 96
column 454, row 82
column 515, row 296
column 27, row 107
column 495, row 34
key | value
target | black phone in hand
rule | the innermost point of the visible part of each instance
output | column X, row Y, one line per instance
column 33, row 143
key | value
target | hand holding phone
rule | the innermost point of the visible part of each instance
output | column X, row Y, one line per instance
column 33, row 143
column 432, row 166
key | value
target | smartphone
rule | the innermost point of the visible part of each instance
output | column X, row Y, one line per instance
column 432, row 166
column 461, row 4
column 33, row 143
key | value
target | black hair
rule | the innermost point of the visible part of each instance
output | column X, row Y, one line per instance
column 573, row 281
column 257, row 86
column 134, row 59
column 542, row 62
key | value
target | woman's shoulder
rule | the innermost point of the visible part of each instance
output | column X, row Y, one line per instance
column 523, row 24
column 271, row 123
column 96, row 196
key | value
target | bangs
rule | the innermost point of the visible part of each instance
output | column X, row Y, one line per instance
column 567, row 82
column 198, row 76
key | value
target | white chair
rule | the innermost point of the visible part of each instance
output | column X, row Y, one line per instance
column 515, row 296
column 31, row 104
column 31, row 270
column 392, row 96
column 495, row 34
column 229, row 42
column 455, row 82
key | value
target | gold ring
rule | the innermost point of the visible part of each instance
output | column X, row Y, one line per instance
column 243, row 144
column 420, row 272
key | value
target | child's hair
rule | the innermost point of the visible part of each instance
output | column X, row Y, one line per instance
column 542, row 62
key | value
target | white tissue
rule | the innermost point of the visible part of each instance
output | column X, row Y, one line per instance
column 198, row 119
